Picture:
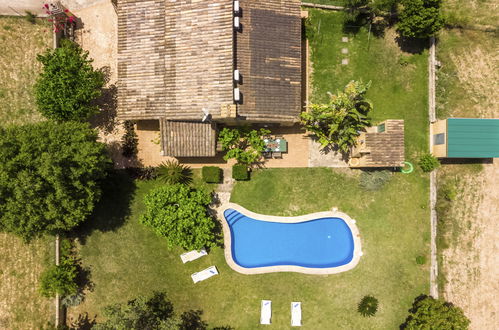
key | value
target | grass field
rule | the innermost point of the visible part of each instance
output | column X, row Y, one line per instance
column 21, row 41
column 21, row 306
column 127, row 259
column 397, row 91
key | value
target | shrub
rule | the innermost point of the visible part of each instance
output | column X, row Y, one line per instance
column 179, row 213
column 420, row 260
column 420, row 18
column 172, row 172
column 368, row 306
column 68, row 84
column 73, row 300
column 430, row 313
column 374, row 180
column 240, row 172
column 61, row 279
column 428, row 162
column 30, row 17
column 129, row 141
column 211, row 174
column 339, row 122
column 50, row 176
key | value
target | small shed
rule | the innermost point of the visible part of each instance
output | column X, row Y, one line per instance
column 380, row 146
column 465, row 138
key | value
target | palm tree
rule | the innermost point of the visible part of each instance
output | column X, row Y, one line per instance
column 173, row 172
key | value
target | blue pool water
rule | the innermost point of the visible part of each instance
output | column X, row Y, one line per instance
column 320, row 243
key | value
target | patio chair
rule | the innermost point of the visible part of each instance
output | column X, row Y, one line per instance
column 266, row 312
column 204, row 274
column 296, row 314
column 277, row 154
column 192, row 255
column 267, row 154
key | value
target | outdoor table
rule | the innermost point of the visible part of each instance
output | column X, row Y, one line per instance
column 276, row 145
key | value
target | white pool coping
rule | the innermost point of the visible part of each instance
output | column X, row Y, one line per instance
column 334, row 213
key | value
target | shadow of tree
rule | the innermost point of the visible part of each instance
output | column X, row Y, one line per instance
column 191, row 320
column 412, row 45
column 106, row 119
column 118, row 190
column 82, row 322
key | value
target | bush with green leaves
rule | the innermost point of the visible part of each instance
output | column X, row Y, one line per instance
column 243, row 144
column 374, row 180
column 420, row 260
column 211, row 174
column 68, row 84
column 61, row 279
column 339, row 122
column 73, row 300
column 172, row 172
column 420, row 18
column 129, row 140
column 428, row 162
column 179, row 213
column 368, row 306
column 240, row 172
column 430, row 313
column 50, row 177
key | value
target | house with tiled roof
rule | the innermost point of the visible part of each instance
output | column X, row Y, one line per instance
column 193, row 66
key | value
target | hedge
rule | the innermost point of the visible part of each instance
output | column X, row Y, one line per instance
column 211, row 174
column 240, row 172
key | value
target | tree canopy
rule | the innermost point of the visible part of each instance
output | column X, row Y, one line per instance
column 148, row 313
column 67, row 84
column 243, row 143
column 49, row 176
column 179, row 213
column 420, row 18
column 151, row 313
column 430, row 313
column 339, row 122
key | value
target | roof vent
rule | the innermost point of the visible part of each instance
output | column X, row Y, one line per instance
column 236, row 23
column 237, row 95
column 236, row 76
column 236, row 7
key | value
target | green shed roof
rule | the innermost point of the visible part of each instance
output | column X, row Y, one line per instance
column 472, row 138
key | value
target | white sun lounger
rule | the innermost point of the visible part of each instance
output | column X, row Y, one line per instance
column 192, row 255
column 266, row 312
column 296, row 314
column 204, row 274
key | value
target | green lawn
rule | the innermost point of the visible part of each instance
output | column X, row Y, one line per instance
column 397, row 91
column 127, row 259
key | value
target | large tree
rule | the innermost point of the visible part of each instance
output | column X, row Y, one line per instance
column 49, row 176
column 179, row 213
column 142, row 313
column 154, row 312
column 243, row 143
column 430, row 313
column 67, row 84
column 420, row 18
column 339, row 122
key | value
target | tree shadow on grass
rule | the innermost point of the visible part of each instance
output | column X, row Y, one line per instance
column 412, row 45
column 118, row 191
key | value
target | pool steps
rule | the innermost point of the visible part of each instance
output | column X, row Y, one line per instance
column 233, row 216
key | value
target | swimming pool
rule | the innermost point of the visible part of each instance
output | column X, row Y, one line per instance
column 318, row 243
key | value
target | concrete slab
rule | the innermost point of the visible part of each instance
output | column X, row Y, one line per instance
column 344, row 61
column 344, row 50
